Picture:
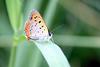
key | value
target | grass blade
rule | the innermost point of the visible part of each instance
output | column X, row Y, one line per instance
column 82, row 11
column 27, row 55
column 53, row 54
column 78, row 41
column 14, row 12
column 50, row 12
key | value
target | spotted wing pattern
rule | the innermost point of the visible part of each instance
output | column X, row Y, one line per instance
column 35, row 27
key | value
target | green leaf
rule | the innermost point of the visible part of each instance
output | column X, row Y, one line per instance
column 52, row 53
column 27, row 55
column 82, row 11
column 78, row 41
column 50, row 12
column 14, row 12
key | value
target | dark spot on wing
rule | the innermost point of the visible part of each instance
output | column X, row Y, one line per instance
column 35, row 17
column 42, row 31
column 39, row 21
column 30, row 18
column 35, row 20
column 35, row 24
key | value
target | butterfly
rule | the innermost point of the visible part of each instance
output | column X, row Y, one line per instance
column 35, row 27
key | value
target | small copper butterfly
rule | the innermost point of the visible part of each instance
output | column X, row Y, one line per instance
column 35, row 27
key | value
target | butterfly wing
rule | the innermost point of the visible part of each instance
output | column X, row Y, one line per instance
column 37, row 27
column 27, row 30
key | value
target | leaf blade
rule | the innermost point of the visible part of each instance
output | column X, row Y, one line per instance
column 50, row 50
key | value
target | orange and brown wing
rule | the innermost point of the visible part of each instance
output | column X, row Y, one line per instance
column 36, row 17
column 27, row 29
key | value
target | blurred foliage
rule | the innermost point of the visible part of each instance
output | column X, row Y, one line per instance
column 75, row 25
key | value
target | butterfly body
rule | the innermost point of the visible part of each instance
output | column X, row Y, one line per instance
column 35, row 27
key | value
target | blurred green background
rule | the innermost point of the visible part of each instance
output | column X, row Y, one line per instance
column 75, row 25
